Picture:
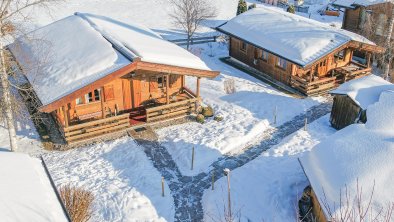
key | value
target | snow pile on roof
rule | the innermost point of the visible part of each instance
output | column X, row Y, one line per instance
column 144, row 43
column 25, row 190
column 353, row 3
column 364, row 91
column 358, row 152
column 65, row 56
column 296, row 38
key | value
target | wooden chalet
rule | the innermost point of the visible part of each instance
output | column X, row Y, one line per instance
column 307, row 55
column 352, row 99
column 103, row 76
column 367, row 18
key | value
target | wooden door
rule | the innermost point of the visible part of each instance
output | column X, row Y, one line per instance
column 136, row 92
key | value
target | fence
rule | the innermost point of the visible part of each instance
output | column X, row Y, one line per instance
column 193, row 41
column 303, row 9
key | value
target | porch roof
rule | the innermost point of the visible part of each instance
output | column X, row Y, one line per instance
column 298, row 39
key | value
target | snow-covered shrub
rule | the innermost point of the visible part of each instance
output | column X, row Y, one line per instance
column 200, row 118
column 252, row 6
column 78, row 202
column 229, row 86
column 207, row 111
column 218, row 118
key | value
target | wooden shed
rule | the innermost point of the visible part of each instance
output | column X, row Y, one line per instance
column 104, row 75
column 307, row 55
column 352, row 99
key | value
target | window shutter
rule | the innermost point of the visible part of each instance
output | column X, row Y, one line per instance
column 109, row 93
column 153, row 84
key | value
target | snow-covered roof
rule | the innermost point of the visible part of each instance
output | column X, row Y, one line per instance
column 144, row 43
column 25, row 191
column 296, row 38
column 354, row 3
column 78, row 50
column 357, row 152
column 364, row 91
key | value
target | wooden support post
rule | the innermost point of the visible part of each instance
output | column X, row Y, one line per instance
column 162, row 186
column 198, row 87
column 102, row 102
column 65, row 108
column 275, row 113
column 306, row 124
column 368, row 58
column 192, row 158
column 167, row 88
column 213, row 180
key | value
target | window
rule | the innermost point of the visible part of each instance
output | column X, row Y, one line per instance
column 264, row 55
column 79, row 101
column 93, row 96
column 243, row 46
column 281, row 63
column 339, row 55
column 160, row 81
column 381, row 24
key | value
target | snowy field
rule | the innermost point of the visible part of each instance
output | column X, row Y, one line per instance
column 247, row 114
column 123, row 180
column 268, row 188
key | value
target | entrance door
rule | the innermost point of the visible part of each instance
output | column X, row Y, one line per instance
column 136, row 90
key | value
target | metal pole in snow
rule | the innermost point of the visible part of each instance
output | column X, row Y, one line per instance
column 192, row 158
column 275, row 114
column 227, row 173
column 213, row 180
column 306, row 123
column 162, row 186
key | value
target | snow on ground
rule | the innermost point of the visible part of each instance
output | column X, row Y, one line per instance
column 247, row 114
column 27, row 138
column 25, row 190
column 268, row 187
column 123, row 180
column 152, row 13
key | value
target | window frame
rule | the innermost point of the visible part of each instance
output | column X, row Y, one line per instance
column 262, row 55
column 279, row 63
column 243, row 47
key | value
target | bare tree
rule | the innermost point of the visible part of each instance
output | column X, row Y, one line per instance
column 189, row 15
column 78, row 202
column 387, row 45
column 355, row 208
column 11, row 17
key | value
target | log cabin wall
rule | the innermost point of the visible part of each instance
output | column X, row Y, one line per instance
column 252, row 56
column 344, row 112
column 121, row 94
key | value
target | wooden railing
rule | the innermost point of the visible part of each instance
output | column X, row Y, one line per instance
column 313, row 88
column 171, row 110
column 96, row 128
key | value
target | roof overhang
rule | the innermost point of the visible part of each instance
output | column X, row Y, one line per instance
column 137, row 64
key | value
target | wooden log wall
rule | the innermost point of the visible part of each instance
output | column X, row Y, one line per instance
column 344, row 112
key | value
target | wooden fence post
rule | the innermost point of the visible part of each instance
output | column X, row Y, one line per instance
column 306, row 123
column 162, row 186
column 213, row 180
column 192, row 158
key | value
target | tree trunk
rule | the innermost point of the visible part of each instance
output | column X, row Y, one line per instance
column 6, row 95
column 388, row 56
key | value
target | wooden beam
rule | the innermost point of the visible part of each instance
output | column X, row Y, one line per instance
column 102, row 102
column 65, row 115
column 176, row 70
column 368, row 58
column 167, row 89
column 198, row 87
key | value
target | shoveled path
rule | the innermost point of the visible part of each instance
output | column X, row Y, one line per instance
column 187, row 191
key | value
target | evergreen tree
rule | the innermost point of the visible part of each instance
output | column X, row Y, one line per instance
column 291, row 9
column 242, row 7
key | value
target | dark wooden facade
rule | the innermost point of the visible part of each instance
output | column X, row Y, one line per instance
column 327, row 73
column 345, row 112
column 140, row 94
column 370, row 21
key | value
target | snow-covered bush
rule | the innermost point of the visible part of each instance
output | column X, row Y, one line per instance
column 242, row 7
column 200, row 118
column 291, row 9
